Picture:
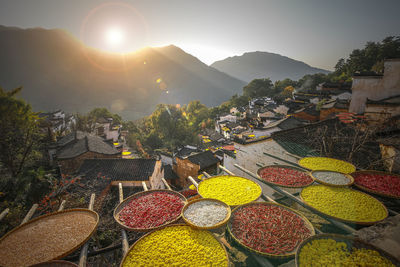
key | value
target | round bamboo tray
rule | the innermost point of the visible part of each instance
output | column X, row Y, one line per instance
column 348, row 176
column 171, row 225
column 288, row 167
column 219, row 176
column 302, row 164
column 126, row 201
column 56, row 263
column 375, row 191
column 218, row 225
column 350, row 241
column 33, row 247
column 349, row 221
column 289, row 254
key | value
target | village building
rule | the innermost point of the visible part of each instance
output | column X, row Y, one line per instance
column 105, row 128
column 57, row 122
column 375, row 87
column 70, row 156
column 128, row 172
column 379, row 111
column 195, row 164
column 333, row 107
column 308, row 113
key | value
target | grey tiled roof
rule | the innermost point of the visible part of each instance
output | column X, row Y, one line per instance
column 118, row 169
column 204, row 159
column 71, row 137
column 88, row 143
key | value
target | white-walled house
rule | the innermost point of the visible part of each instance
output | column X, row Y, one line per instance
column 375, row 87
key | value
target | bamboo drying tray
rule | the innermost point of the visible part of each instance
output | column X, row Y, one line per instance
column 56, row 263
column 348, row 176
column 288, row 167
column 218, row 225
column 126, row 201
column 301, row 163
column 375, row 191
column 39, row 240
column 349, row 221
column 165, row 226
column 350, row 241
column 282, row 256
column 231, row 176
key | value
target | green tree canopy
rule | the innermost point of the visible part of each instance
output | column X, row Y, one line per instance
column 19, row 132
column 258, row 88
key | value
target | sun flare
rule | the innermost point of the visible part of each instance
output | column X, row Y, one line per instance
column 114, row 36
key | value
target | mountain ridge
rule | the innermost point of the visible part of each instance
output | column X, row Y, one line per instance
column 260, row 64
column 58, row 71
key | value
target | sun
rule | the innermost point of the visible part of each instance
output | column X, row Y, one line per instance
column 114, row 36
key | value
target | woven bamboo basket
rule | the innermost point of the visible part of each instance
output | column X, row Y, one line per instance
column 375, row 191
column 171, row 225
column 289, row 254
column 47, row 219
column 218, row 225
column 217, row 177
column 350, row 241
column 348, row 176
column 56, row 263
column 126, row 201
column 301, row 163
column 349, row 221
column 288, row 167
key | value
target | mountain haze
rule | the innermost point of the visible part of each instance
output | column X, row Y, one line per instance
column 254, row 65
column 58, row 71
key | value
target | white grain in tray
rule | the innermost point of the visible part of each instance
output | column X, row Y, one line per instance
column 335, row 178
column 205, row 213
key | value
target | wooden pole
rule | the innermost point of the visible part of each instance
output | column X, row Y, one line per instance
column 193, row 181
column 166, row 184
column 84, row 251
column 125, row 243
column 297, row 200
column 206, row 175
column 62, row 205
column 4, row 213
column 144, row 186
column 226, row 170
column 30, row 213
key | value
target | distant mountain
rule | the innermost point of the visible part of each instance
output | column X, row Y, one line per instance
column 58, row 71
column 254, row 65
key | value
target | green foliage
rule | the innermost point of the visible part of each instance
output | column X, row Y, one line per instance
column 86, row 123
column 370, row 58
column 19, row 133
column 258, row 88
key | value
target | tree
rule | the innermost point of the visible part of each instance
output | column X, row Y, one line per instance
column 19, row 132
column 259, row 87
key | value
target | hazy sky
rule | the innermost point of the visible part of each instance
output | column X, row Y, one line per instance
column 318, row 32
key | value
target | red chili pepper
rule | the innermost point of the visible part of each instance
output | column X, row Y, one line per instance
column 380, row 183
column 151, row 210
column 285, row 176
column 268, row 228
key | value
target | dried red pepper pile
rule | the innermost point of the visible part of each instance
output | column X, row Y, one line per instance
column 189, row 193
column 269, row 228
column 151, row 210
column 380, row 183
column 285, row 176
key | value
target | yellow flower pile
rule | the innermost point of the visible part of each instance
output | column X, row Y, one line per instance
column 344, row 203
column 232, row 190
column 328, row 252
column 178, row 245
column 327, row 164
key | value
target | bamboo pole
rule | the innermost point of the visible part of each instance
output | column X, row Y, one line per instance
column 62, row 205
column 144, row 186
column 84, row 251
column 338, row 224
column 226, row 170
column 4, row 213
column 125, row 243
column 165, row 183
column 30, row 213
column 206, row 175
column 193, row 181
